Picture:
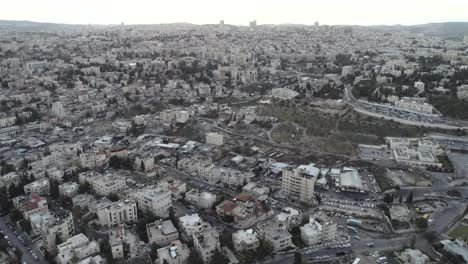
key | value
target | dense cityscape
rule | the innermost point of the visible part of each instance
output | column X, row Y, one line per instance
column 182, row 143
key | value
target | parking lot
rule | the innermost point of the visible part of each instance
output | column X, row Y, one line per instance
column 19, row 240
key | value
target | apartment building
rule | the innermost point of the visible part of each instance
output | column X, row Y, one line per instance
column 299, row 185
column 118, row 213
column 205, row 244
column 154, row 200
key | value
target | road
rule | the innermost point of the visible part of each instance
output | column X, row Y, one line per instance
column 27, row 257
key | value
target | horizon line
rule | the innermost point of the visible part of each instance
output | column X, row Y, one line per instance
column 226, row 24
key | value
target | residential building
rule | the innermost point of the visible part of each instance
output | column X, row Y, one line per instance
column 51, row 224
column 320, row 229
column 205, row 244
column 162, row 233
column 275, row 233
column 176, row 187
column 193, row 224
column 123, row 239
column 245, row 240
column 30, row 204
column 215, row 139
column 174, row 253
column 41, row 187
column 106, row 185
column 68, row 189
column 414, row 256
column 76, row 249
column 456, row 247
column 201, row 199
column 154, row 200
column 299, row 185
column 118, row 213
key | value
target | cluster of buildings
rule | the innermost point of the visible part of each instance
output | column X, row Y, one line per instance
column 415, row 151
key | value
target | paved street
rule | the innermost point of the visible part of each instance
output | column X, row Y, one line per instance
column 27, row 257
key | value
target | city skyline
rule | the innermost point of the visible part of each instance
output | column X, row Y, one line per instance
column 334, row 12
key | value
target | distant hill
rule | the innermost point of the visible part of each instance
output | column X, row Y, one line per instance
column 25, row 26
column 452, row 30
column 455, row 30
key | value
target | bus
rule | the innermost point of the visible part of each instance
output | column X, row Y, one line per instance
column 356, row 261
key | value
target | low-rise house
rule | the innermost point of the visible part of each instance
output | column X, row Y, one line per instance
column 276, row 234
column 192, row 224
column 245, row 240
column 289, row 217
column 76, row 249
column 414, row 256
column 41, row 187
column 176, row 187
column 320, row 229
column 106, row 185
column 205, row 244
column 30, row 204
column 68, row 189
column 122, row 239
column 174, row 253
column 200, row 199
column 162, row 233
column 244, row 209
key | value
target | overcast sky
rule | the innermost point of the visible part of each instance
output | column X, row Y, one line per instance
column 238, row 12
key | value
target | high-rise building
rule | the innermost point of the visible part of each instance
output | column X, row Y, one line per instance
column 296, row 183
column 253, row 25
column 465, row 40
column 221, row 25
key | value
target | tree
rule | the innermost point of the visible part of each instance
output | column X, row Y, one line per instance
column 219, row 258
column 142, row 166
column 26, row 225
column 409, row 199
column 84, row 188
column 413, row 241
column 400, row 199
column 265, row 249
column 388, row 199
column 297, row 258
column 195, row 258
column 106, row 251
column 113, row 197
column 58, row 239
column 4, row 203
column 15, row 215
column 421, row 222
column 54, row 190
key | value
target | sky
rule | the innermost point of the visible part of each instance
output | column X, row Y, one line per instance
column 237, row 12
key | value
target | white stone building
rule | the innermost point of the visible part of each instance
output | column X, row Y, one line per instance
column 162, row 233
column 118, row 213
column 154, row 200
column 245, row 240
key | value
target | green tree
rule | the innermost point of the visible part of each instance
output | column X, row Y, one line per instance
column 297, row 258
column 409, row 199
column 421, row 222
column 54, row 190
column 219, row 258
column 84, row 188
column 16, row 215
column 388, row 199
